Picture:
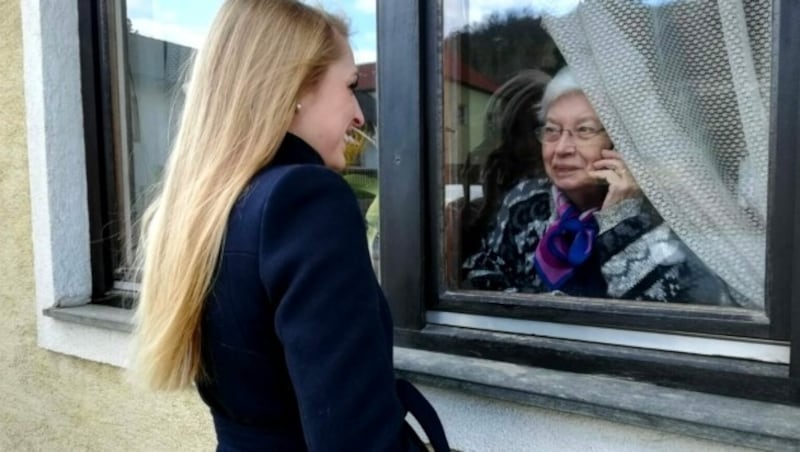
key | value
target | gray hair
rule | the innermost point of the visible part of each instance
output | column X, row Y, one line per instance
column 563, row 83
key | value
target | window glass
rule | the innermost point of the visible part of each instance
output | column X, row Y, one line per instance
column 614, row 150
column 152, row 56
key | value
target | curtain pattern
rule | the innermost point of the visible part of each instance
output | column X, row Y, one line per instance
column 683, row 89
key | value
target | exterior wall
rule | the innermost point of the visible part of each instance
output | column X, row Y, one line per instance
column 477, row 424
column 53, row 401
column 50, row 401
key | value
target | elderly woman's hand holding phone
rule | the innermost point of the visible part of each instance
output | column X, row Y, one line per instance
column 612, row 171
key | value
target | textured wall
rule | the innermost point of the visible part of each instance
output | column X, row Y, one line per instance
column 476, row 424
column 15, row 243
column 50, row 401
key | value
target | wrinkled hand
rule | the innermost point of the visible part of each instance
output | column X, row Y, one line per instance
column 621, row 184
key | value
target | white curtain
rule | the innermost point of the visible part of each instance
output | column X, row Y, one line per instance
column 683, row 89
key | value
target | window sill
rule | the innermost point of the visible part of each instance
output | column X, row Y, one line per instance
column 99, row 316
column 725, row 419
column 93, row 332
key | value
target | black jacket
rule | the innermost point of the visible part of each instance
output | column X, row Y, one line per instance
column 296, row 332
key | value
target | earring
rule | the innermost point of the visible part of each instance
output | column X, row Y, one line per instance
column 298, row 107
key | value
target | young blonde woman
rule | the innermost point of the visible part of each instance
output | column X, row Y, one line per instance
column 257, row 284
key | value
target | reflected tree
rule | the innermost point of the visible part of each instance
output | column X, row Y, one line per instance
column 505, row 43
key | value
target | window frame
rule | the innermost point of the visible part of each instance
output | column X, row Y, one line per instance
column 410, row 90
column 103, row 44
column 96, row 86
column 784, row 189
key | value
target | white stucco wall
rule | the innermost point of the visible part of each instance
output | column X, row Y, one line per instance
column 477, row 424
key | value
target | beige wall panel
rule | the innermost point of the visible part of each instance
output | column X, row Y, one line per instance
column 50, row 401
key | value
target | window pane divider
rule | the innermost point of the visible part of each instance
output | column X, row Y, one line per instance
column 765, row 351
column 610, row 313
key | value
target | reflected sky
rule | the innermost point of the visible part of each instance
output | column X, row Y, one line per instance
column 172, row 20
column 183, row 23
column 459, row 13
column 186, row 24
column 362, row 15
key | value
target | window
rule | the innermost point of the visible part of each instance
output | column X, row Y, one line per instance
column 696, row 99
column 684, row 107
column 136, row 67
column 679, row 91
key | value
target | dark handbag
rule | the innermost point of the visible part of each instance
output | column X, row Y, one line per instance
column 415, row 403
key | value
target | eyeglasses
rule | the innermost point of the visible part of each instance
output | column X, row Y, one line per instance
column 548, row 134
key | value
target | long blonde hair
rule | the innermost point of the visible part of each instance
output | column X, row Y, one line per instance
column 259, row 57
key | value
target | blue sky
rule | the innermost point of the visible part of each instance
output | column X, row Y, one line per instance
column 186, row 23
column 361, row 15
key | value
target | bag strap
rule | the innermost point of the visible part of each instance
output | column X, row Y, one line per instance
column 416, row 404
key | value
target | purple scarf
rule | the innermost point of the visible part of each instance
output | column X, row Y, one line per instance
column 566, row 244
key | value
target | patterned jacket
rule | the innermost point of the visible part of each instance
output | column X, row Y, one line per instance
column 636, row 256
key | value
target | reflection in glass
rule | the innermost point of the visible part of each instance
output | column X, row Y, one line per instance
column 679, row 88
column 159, row 38
column 151, row 50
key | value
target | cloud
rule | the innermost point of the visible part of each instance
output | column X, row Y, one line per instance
column 137, row 4
column 139, row 8
column 366, row 6
column 365, row 56
column 160, row 19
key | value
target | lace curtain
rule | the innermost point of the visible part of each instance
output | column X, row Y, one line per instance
column 683, row 89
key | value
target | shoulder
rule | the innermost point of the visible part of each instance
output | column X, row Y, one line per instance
column 523, row 214
column 294, row 186
column 531, row 195
column 277, row 195
column 527, row 190
column 295, row 177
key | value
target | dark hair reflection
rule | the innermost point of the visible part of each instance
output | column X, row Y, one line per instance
column 510, row 147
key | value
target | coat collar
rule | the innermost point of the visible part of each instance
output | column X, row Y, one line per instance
column 293, row 151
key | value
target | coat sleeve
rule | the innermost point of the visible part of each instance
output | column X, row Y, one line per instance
column 643, row 259
column 331, row 318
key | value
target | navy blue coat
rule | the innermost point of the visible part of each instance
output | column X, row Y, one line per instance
column 296, row 333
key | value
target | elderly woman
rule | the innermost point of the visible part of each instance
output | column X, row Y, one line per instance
column 586, row 229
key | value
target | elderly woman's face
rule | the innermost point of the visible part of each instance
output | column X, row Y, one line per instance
column 568, row 158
